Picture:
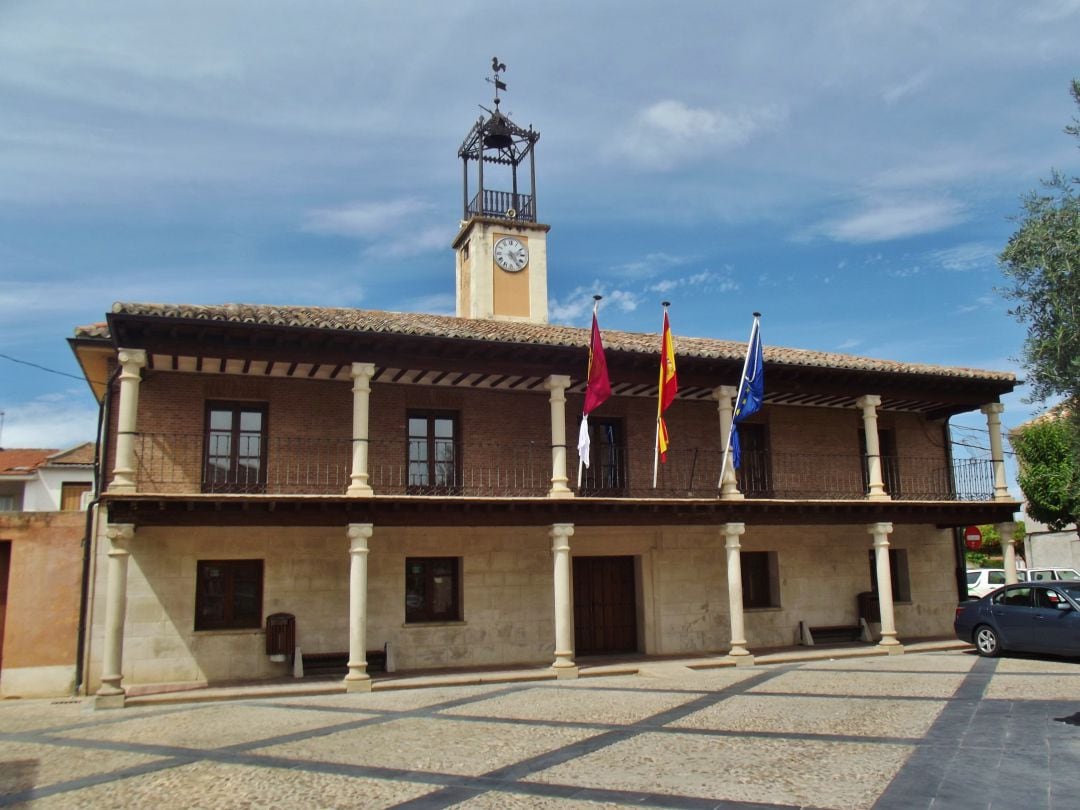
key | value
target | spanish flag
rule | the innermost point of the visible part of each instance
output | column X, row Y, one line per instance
column 669, row 385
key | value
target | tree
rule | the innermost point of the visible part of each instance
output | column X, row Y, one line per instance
column 1049, row 469
column 1042, row 260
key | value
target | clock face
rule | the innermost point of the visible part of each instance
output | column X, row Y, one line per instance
column 511, row 254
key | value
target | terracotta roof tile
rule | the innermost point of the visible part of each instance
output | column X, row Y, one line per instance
column 444, row 326
column 80, row 454
column 22, row 461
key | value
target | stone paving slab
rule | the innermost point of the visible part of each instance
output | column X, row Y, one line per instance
column 443, row 746
column 26, row 765
column 613, row 706
column 798, row 772
column 1050, row 686
column 868, row 684
column 928, row 662
column 815, row 715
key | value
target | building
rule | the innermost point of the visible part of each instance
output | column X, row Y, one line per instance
column 407, row 480
column 43, row 498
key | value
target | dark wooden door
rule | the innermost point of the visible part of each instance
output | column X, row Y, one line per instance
column 605, row 607
column 5, row 568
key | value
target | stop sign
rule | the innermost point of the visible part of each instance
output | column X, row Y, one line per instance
column 973, row 538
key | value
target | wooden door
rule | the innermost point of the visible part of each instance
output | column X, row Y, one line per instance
column 605, row 606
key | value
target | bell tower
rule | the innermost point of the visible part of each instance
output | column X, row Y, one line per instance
column 501, row 248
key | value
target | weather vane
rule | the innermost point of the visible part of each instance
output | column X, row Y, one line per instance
column 497, row 67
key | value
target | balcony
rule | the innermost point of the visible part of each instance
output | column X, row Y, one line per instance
column 500, row 204
column 176, row 464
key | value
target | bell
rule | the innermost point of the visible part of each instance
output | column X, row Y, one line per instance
column 498, row 136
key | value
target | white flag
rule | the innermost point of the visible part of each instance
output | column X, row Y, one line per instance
column 583, row 443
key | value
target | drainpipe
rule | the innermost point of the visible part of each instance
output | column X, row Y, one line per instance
column 104, row 413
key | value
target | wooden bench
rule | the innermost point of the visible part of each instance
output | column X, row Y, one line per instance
column 337, row 663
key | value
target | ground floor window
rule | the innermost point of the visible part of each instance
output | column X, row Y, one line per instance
column 432, row 589
column 228, row 594
column 898, row 568
column 760, row 579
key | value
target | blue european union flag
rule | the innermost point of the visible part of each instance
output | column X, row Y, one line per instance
column 751, row 390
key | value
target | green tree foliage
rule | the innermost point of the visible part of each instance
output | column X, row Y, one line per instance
column 1042, row 261
column 1049, row 470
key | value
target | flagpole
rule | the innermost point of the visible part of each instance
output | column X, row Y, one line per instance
column 738, row 395
column 660, row 398
column 588, row 374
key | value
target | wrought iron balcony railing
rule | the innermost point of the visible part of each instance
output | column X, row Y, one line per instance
column 274, row 465
column 503, row 205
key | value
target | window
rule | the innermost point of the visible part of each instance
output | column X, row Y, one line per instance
column 228, row 594
column 898, row 569
column 433, row 452
column 890, row 462
column 235, row 447
column 760, row 579
column 71, row 495
column 1013, row 597
column 755, row 469
column 432, row 589
column 7, row 503
column 606, row 473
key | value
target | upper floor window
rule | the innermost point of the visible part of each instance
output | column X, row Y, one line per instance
column 72, row 495
column 755, row 474
column 434, row 458
column 228, row 594
column 235, row 447
column 606, row 473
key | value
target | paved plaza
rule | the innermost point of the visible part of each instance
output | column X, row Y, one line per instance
column 937, row 729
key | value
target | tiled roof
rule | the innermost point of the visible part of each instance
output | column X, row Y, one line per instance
column 444, row 326
column 22, row 461
column 80, row 454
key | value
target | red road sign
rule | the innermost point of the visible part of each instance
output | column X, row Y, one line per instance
column 973, row 538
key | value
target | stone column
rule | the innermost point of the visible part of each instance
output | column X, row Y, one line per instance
column 993, row 412
column 564, row 665
column 881, row 532
column 110, row 695
column 869, row 405
column 361, row 376
column 557, row 385
column 1007, row 532
column 358, row 679
column 131, row 363
column 729, row 485
column 738, row 651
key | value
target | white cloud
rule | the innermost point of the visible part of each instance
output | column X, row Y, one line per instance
column 575, row 305
column 893, row 94
column 365, row 219
column 848, row 344
column 51, row 421
column 968, row 256
column 884, row 221
column 983, row 302
column 706, row 281
column 650, row 265
column 670, row 131
column 436, row 303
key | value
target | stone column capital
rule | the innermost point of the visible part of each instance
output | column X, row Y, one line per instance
column 362, row 371
column 359, row 534
column 992, row 408
column 131, row 360
column 560, row 535
column 557, row 383
column 881, row 532
column 728, row 392
column 868, row 401
column 120, row 534
column 732, row 533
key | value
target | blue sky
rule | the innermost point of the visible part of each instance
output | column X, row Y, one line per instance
column 847, row 168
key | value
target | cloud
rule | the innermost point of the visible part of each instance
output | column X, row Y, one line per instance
column 893, row 94
column 650, row 265
column 968, row 256
column 51, row 421
column 437, row 304
column 579, row 301
column 983, row 302
column 670, row 131
column 848, row 344
column 365, row 219
column 706, row 281
column 885, row 221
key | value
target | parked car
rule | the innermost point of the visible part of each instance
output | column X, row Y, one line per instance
column 981, row 581
column 1044, row 574
column 1028, row 616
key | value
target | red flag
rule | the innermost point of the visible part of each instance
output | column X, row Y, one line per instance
column 669, row 385
column 599, row 387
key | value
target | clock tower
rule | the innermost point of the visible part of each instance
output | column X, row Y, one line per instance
column 501, row 249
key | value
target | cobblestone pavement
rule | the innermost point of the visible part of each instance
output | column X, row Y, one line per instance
column 942, row 730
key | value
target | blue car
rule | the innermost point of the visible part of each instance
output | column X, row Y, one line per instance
column 1041, row 617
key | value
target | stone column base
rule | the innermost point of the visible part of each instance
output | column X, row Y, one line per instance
column 891, row 646
column 565, row 673
column 353, row 684
column 360, row 491
column 111, row 701
column 740, row 658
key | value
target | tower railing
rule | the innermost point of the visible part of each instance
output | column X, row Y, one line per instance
column 502, row 205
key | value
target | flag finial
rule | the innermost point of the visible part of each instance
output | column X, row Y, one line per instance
column 665, row 304
column 757, row 314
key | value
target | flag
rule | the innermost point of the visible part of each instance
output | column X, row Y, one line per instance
column 751, row 389
column 597, row 390
column 669, row 385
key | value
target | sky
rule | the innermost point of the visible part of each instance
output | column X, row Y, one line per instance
column 849, row 169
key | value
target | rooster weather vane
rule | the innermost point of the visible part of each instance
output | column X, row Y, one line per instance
column 497, row 67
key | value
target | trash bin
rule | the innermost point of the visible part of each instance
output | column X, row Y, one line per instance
column 280, row 635
column 869, row 607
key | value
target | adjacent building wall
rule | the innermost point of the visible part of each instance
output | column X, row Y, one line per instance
column 41, row 626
